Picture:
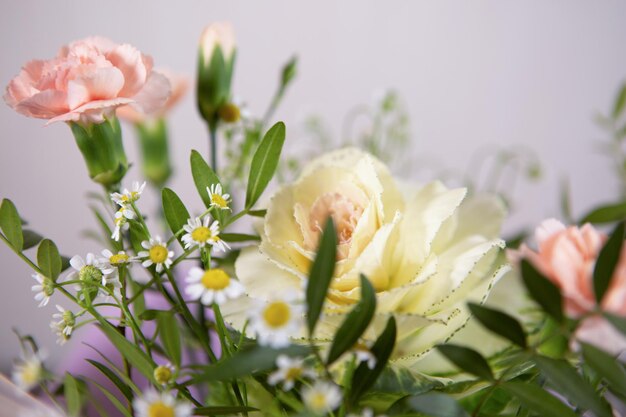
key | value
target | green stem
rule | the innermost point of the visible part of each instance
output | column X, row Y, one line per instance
column 20, row 254
column 213, row 142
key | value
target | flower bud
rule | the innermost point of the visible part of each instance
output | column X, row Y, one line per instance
column 163, row 374
column 215, row 69
column 102, row 149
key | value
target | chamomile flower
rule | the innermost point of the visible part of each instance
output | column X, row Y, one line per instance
column 212, row 286
column 202, row 233
column 121, row 222
column 115, row 259
column 219, row 199
column 29, row 371
column 113, row 284
column 322, row 397
column 127, row 196
column 289, row 371
column 164, row 374
column 91, row 272
column 156, row 253
column 64, row 324
column 44, row 289
column 274, row 322
column 164, row 404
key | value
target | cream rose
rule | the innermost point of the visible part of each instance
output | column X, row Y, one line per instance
column 427, row 251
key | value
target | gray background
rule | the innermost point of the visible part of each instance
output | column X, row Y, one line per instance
column 471, row 73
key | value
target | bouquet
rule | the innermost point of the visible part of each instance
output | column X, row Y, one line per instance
column 343, row 291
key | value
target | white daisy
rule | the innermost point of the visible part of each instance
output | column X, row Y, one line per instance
column 219, row 199
column 289, row 371
column 129, row 196
column 91, row 272
column 274, row 322
column 156, row 254
column 212, row 286
column 121, row 223
column 203, row 232
column 44, row 289
column 115, row 259
column 322, row 397
column 28, row 371
column 164, row 404
column 64, row 324
column 164, row 374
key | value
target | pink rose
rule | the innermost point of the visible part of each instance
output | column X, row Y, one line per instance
column 87, row 80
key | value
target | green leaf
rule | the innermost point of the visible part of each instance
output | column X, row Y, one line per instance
column 571, row 385
column 257, row 213
column 31, row 238
column 11, row 224
column 169, row 334
column 321, row 274
column 264, row 163
column 222, row 410
column 137, row 235
column 607, row 262
column 499, row 323
column 543, row 291
column 538, row 400
column 48, row 259
column 238, row 237
column 72, row 395
column 175, row 212
column 131, row 352
column 114, row 400
column 433, row 404
column 364, row 377
column 618, row 322
column 607, row 366
column 620, row 102
column 467, row 359
column 606, row 214
column 355, row 323
column 121, row 385
column 245, row 363
column 203, row 176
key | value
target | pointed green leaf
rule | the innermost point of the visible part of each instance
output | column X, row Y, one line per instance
column 321, row 274
column 203, row 176
column 31, row 238
column 11, row 224
column 114, row 400
column 606, row 214
column 543, row 291
column 356, row 322
column 567, row 382
column 607, row 366
column 364, row 377
column 169, row 333
column 238, row 237
column 121, row 385
column 72, row 395
column 618, row 322
column 620, row 102
column 499, row 323
column 538, row 400
column 432, row 404
column 175, row 212
column 467, row 360
column 607, row 262
column 131, row 352
column 48, row 259
column 264, row 163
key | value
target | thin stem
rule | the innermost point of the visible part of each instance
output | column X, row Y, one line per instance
column 20, row 254
column 213, row 143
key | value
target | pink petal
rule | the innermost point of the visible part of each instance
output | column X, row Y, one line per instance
column 23, row 86
column 101, row 84
column 44, row 105
column 94, row 111
column 154, row 93
column 130, row 62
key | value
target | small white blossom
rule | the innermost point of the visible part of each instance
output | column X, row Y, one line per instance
column 212, row 286
column 155, row 404
column 121, row 223
column 64, row 324
column 92, row 273
column 202, row 233
column 322, row 397
column 156, row 253
column 127, row 196
column 44, row 289
column 28, row 371
column 115, row 259
column 219, row 199
column 289, row 371
column 275, row 321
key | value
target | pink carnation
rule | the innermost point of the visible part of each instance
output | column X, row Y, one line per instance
column 87, row 80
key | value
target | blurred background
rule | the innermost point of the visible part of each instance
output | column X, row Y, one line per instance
column 471, row 79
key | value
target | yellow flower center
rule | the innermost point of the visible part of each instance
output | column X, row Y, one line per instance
column 30, row 373
column 118, row 258
column 277, row 314
column 293, row 374
column 229, row 113
column 158, row 254
column 318, row 402
column 162, row 374
column 219, row 201
column 201, row 234
column 158, row 409
column 215, row 279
